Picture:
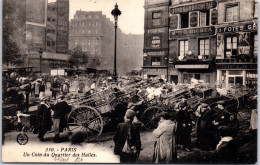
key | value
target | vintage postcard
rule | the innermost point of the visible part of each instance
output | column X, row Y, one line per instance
column 129, row 81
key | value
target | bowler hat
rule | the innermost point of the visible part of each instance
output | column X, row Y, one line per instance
column 130, row 114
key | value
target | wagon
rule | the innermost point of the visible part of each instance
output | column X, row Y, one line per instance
column 165, row 103
column 91, row 113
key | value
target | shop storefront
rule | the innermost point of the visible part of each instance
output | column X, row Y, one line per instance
column 155, row 72
column 237, row 54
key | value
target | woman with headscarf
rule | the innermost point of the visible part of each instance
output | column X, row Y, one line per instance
column 165, row 145
column 44, row 118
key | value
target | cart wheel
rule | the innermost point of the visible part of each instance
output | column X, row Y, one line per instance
column 85, row 119
column 150, row 117
column 25, row 129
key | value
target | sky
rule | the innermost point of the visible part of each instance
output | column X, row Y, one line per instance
column 130, row 21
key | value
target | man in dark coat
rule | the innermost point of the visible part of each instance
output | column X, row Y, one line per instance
column 206, row 134
column 224, row 118
column 61, row 109
column 184, row 125
column 44, row 118
column 130, row 133
column 54, row 88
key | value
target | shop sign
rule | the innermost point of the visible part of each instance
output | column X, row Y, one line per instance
column 155, row 71
column 156, row 42
column 192, row 66
column 62, row 26
column 192, row 31
column 237, row 66
column 194, row 7
column 238, row 28
column 158, row 53
column 156, row 31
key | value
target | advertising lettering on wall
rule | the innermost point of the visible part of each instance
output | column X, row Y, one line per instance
column 193, row 7
column 36, row 11
column 156, row 42
column 158, row 53
column 200, row 31
column 62, row 26
column 238, row 28
column 244, row 43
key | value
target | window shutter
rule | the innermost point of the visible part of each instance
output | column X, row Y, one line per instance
column 174, row 22
column 214, row 17
column 194, row 19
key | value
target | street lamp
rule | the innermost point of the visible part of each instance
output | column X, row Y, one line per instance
column 115, row 12
column 40, row 53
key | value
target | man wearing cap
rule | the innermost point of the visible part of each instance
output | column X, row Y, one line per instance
column 224, row 118
column 61, row 109
column 184, row 122
column 128, row 136
column 44, row 118
column 165, row 146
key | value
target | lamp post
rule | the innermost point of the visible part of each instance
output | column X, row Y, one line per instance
column 40, row 53
column 115, row 12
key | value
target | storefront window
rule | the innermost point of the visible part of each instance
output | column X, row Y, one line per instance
column 204, row 48
column 183, row 48
column 255, row 45
column 204, row 18
column 232, row 13
column 231, row 46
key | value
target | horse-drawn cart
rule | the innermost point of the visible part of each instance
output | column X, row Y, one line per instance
column 89, row 112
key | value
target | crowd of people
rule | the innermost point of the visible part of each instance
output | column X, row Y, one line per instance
column 215, row 126
column 215, row 129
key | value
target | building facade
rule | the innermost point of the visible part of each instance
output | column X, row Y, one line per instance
column 192, row 41
column 211, row 40
column 237, row 40
column 94, row 33
column 156, row 38
column 35, row 26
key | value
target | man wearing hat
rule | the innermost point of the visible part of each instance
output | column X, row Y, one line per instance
column 184, row 122
column 165, row 145
column 127, row 139
column 44, row 118
column 224, row 118
column 61, row 109
column 206, row 134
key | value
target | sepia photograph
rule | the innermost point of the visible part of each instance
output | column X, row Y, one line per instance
column 130, row 81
